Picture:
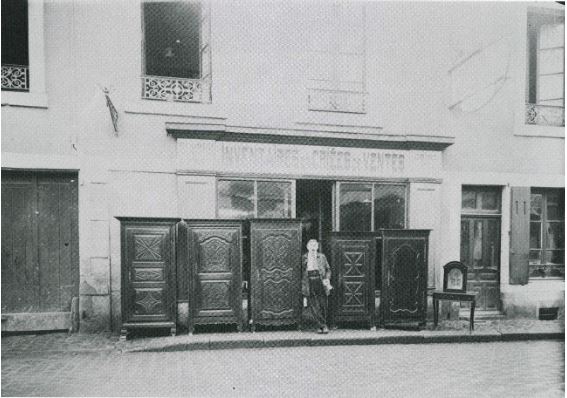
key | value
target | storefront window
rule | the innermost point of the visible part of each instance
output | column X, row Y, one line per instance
column 355, row 207
column 547, row 239
column 389, row 206
column 368, row 207
column 274, row 199
column 254, row 199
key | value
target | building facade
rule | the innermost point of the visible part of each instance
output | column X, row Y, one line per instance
column 348, row 116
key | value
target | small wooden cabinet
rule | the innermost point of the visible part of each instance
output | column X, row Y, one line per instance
column 148, row 274
column 214, row 253
column 275, row 272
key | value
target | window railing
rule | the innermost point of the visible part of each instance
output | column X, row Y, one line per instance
column 15, row 77
column 171, row 89
column 545, row 115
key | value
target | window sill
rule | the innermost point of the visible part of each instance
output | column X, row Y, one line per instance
column 533, row 130
column 24, row 99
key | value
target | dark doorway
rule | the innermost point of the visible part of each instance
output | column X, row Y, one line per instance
column 314, row 206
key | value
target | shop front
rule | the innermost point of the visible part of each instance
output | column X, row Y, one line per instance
column 247, row 210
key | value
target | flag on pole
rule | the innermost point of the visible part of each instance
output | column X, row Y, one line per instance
column 112, row 109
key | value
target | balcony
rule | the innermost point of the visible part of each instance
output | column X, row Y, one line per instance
column 173, row 89
column 545, row 115
column 15, row 77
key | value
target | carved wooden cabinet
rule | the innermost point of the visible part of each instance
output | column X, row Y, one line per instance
column 275, row 275
column 214, row 253
column 352, row 263
column 404, row 277
column 148, row 274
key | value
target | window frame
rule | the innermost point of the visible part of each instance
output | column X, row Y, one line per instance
column 255, row 198
column 36, row 96
column 337, row 202
column 478, row 210
column 544, row 238
column 530, row 110
column 197, row 90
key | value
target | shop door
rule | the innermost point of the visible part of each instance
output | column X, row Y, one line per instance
column 352, row 263
column 480, row 251
column 40, row 249
column 275, row 275
column 215, row 255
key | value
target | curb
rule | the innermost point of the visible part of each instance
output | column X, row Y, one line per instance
column 379, row 340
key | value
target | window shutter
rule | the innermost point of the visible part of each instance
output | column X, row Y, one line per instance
column 520, row 235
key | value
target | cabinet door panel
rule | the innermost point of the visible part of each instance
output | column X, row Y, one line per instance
column 352, row 262
column 276, row 271
column 148, row 271
column 404, row 276
column 215, row 262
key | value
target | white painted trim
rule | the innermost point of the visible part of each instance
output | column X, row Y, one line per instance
column 24, row 99
column 14, row 160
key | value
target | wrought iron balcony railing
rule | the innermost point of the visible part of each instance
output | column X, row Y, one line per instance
column 15, row 77
column 172, row 89
column 545, row 115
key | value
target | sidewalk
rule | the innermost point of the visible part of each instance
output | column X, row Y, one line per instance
column 446, row 332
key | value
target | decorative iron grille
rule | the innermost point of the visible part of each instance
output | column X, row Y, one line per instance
column 172, row 89
column 15, row 77
column 545, row 115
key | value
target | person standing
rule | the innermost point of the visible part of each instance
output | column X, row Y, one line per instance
column 316, row 284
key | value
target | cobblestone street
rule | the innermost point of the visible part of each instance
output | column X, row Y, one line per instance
column 515, row 369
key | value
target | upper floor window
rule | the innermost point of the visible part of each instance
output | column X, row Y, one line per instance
column 15, row 56
column 546, row 68
column 176, row 51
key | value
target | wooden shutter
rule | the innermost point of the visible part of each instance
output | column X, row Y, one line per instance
column 520, row 235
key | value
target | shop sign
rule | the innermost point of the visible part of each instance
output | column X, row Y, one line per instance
column 256, row 158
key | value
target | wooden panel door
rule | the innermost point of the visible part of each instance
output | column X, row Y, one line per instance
column 148, row 273
column 352, row 264
column 275, row 272
column 215, row 255
column 404, row 277
column 40, row 246
column 480, row 251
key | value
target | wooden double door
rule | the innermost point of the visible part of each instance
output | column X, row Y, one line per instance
column 392, row 261
column 40, row 248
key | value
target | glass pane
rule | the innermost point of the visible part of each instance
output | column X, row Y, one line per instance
column 15, row 32
column 490, row 200
column 171, row 32
column 554, row 257
column 477, row 244
column 536, row 206
column 236, row 199
column 535, row 235
column 535, row 256
column 465, row 241
column 389, row 206
column 355, row 207
column 556, row 205
column 469, row 200
column 555, row 235
column 549, row 87
column 274, row 199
